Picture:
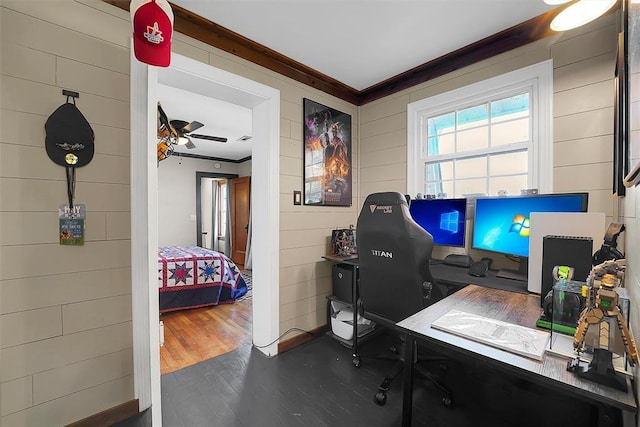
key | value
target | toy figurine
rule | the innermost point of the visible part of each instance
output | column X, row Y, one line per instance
column 343, row 244
column 601, row 306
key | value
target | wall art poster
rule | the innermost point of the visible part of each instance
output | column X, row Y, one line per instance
column 327, row 156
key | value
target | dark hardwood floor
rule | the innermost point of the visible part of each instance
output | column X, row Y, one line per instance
column 316, row 384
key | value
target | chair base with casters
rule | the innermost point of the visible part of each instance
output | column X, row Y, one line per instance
column 380, row 398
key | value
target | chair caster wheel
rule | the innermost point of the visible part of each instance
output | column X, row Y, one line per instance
column 380, row 398
column 356, row 362
column 446, row 401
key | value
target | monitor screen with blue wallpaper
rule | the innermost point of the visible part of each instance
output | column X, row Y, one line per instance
column 501, row 224
column 444, row 219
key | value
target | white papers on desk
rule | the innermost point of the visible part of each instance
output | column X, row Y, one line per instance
column 506, row 336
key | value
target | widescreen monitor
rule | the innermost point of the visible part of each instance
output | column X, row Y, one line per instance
column 444, row 219
column 501, row 224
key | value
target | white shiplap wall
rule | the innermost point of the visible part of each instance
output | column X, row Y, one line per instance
column 65, row 313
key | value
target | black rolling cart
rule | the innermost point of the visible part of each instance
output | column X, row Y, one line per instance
column 345, row 292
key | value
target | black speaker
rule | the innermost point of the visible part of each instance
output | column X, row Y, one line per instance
column 343, row 282
column 574, row 252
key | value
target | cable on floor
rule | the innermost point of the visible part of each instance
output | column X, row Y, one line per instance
column 283, row 334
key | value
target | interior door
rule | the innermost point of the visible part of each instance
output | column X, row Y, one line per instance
column 240, row 202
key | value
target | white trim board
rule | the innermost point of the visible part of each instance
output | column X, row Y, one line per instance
column 264, row 101
column 582, row 224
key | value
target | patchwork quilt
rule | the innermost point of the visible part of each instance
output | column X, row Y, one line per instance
column 191, row 276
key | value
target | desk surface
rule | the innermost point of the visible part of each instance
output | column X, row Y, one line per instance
column 448, row 275
column 515, row 308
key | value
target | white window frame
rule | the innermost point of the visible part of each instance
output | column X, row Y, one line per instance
column 222, row 192
column 537, row 78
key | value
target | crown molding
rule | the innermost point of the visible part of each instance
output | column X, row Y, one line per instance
column 215, row 159
column 215, row 35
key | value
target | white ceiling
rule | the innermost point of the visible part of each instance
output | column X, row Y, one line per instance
column 220, row 118
column 358, row 42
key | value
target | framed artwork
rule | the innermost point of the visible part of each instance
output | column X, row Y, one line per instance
column 620, row 147
column 632, row 91
column 327, row 156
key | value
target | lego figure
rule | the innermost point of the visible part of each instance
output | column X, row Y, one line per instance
column 601, row 306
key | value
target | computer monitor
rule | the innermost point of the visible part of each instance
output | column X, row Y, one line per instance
column 444, row 219
column 501, row 224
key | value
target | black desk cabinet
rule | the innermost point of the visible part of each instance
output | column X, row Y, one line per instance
column 342, row 280
column 345, row 270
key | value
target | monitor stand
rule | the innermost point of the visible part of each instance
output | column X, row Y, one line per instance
column 520, row 274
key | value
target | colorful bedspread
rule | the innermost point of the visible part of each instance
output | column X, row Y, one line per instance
column 191, row 276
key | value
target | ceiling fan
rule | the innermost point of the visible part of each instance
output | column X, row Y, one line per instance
column 184, row 130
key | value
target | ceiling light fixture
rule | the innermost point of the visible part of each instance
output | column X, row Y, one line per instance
column 182, row 140
column 579, row 13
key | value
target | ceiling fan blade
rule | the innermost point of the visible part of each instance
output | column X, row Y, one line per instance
column 209, row 137
column 192, row 126
column 190, row 145
column 179, row 125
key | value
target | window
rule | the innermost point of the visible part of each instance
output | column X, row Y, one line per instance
column 222, row 208
column 489, row 136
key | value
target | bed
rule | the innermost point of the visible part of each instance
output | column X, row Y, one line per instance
column 191, row 277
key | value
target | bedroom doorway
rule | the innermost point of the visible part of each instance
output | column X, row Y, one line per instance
column 206, row 231
column 192, row 335
column 264, row 102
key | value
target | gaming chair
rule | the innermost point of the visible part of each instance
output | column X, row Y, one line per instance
column 394, row 277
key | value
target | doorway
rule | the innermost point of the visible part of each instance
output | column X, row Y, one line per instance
column 240, row 206
column 264, row 102
column 204, row 226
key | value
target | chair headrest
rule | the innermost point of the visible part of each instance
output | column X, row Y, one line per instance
column 387, row 198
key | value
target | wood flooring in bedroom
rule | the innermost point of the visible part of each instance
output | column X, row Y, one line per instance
column 191, row 336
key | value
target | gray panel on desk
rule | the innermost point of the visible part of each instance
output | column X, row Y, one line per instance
column 459, row 276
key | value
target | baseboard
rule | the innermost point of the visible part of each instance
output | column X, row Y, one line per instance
column 300, row 339
column 109, row 416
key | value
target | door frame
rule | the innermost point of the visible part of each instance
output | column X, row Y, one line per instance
column 199, row 176
column 264, row 101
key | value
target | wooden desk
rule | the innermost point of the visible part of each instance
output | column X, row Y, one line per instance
column 510, row 307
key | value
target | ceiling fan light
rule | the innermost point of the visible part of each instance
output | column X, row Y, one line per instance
column 182, row 140
column 580, row 13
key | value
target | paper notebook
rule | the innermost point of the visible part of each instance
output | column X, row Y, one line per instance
column 517, row 339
